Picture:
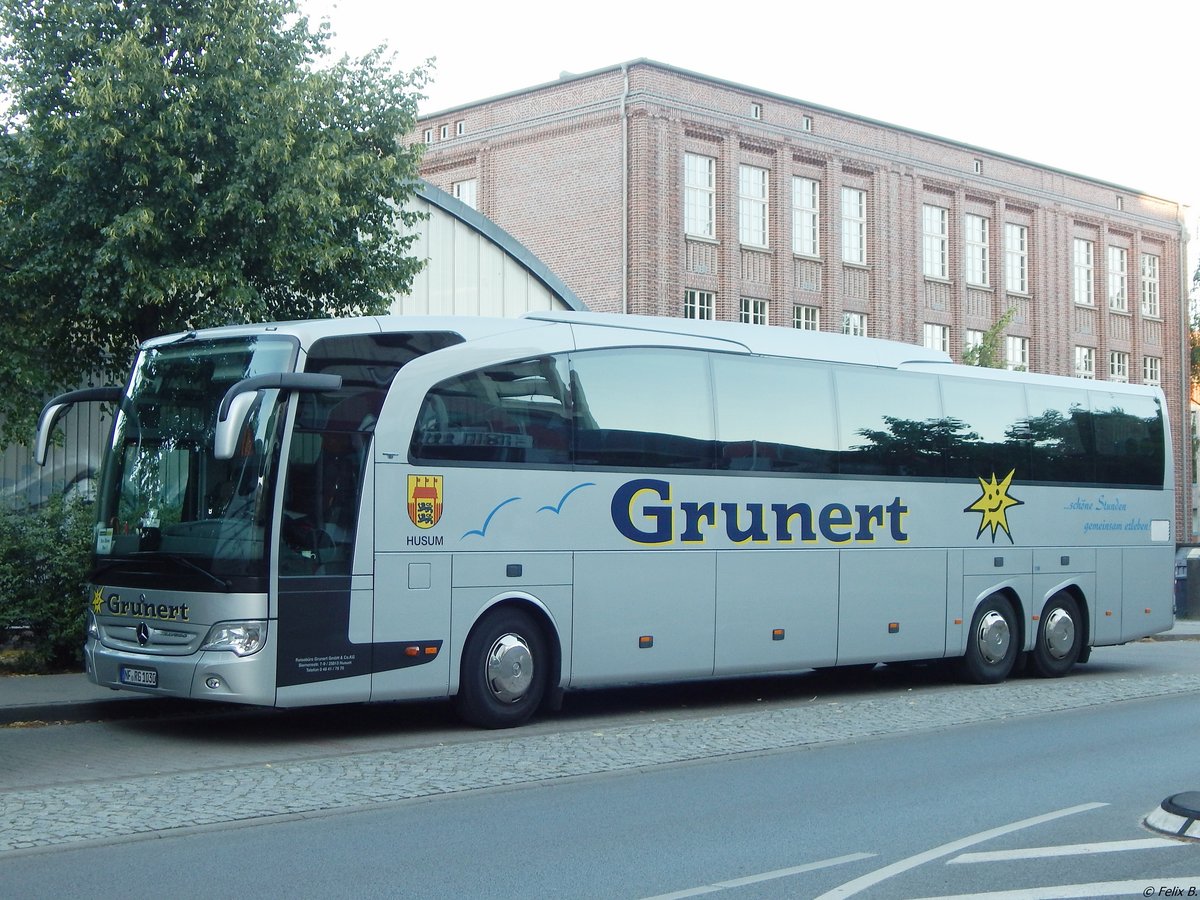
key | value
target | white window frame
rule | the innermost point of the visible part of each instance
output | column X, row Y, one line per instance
column 1083, row 272
column 754, row 183
column 1016, row 258
column 806, row 216
column 444, row 132
column 854, row 225
column 429, row 135
column 854, row 323
column 1118, row 278
column 937, row 337
column 1118, row 366
column 935, row 241
column 699, row 196
column 460, row 128
column 1085, row 362
column 1152, row 370
column 1151, row 296
column 754, row 311
column 1016, row 353
column 466, row 191
column 699, row 304
column 973, row 339
column 806, row 318
column 977, row 255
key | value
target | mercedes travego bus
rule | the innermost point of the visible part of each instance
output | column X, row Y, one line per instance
column 500, row 510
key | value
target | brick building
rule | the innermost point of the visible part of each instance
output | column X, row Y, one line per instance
column 650, row 189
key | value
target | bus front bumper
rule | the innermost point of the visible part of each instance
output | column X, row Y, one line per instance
column 205, row 675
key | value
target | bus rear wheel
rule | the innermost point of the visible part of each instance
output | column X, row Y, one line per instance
column 991, row 643
column 505, row 665
column 1059, row 639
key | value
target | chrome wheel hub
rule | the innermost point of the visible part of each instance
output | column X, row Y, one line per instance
column 1060, row 634
column 994, row 637
column 509, row 668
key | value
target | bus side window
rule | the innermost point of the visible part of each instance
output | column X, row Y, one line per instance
column 643, row 408
column 514, row 412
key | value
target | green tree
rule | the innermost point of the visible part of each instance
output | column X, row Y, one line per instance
column 989, row 352
column 174, row 164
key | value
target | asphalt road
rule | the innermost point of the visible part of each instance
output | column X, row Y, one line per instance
column 794, row 786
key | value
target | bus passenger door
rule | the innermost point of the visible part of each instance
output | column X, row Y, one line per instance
column 892, row 606
column 643, row 616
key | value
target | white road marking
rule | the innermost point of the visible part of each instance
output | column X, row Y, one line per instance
column 1064, row 850
column 871, row 879
column 765, row 876
column 1158, row 887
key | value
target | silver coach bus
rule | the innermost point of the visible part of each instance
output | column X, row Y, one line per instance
column 500, row 510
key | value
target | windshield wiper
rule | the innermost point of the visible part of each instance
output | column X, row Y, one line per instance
column 222, row 583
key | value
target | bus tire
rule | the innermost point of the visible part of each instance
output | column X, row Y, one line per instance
column 1059, row 638
column 991, row 643
column 505, row 665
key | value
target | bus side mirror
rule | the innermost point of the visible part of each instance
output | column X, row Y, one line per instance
column 57, row 408
column 236, row 404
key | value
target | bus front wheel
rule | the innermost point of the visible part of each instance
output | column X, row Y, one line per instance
column 1060, row 637
column 991, row 643
column 505, row 664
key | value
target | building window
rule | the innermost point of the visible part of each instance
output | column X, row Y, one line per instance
column 1016, row 258
column 937, row 337
column 1016, row 353
column 806, row 123
column 972, row 341
column 854, row 323
column 978, row 247
column 978, row 166
column 429, row 135
column 1120, row 202
column 1152, row 370
column 753, row 312
column 756, row 110
column 444, row 132
column 460, row 128
column 698, row 304
column 806, row 216
column 935, row 227
column 1118, row 298
column 1150, row 304
column 1085, row 362
column 1118, row 365
column 699, row 195
column 752, row 206
column 854, row 226
column 806, row 318
column 467, row 191
column 1083, row 280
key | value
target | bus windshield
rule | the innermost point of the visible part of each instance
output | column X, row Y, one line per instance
column 167, row 503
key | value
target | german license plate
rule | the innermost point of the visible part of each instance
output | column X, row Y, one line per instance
column 140, row 677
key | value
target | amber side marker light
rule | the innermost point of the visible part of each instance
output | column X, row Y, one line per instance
column 646, row 641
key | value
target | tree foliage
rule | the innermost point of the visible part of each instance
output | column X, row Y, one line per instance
column 173, row 164
column 989, row 352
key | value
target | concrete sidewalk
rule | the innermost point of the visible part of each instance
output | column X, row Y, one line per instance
column 49, row 698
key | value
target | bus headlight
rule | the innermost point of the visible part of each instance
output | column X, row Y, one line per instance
column 93, row 629
column 243, row 638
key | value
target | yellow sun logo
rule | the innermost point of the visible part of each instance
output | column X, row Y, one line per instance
column 993, row 505
column 96, row 601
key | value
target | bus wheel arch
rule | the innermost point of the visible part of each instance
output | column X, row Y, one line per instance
column 510, row 663
column 1062, row 633
column 994, row 639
